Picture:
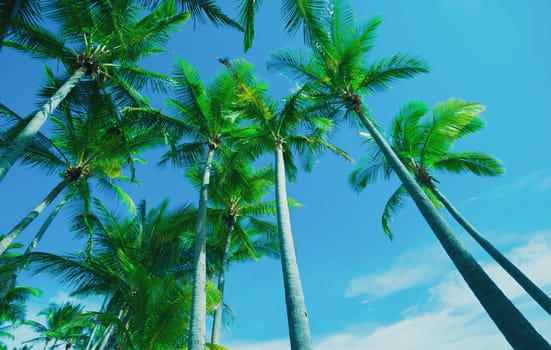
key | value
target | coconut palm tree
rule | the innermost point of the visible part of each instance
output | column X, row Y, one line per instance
column 296, row 127
column 205, row 125
column 12, row 303
column 143, row 266
column 425, row 143
column 101, row 41
column 336, row 66
column 63, row 323
column 239, row 230
column 96, row 145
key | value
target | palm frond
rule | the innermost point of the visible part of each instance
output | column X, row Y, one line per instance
column 474, row 162
column 394, row 203
column 384, row 71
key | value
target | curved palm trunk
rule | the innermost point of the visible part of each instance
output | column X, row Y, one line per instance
column 217, row 322
column 512, row 324
column 198, row 318
column 530, row 287
column 297, row 317
column 30, row 248
column 16, row 147
column 10, row 237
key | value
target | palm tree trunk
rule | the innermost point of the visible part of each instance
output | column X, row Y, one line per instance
column 16, row 147
column 16, row 231
column 23, row 260
column 512, row 324
column 217, row 322
column 198, row 318
column 297, row 317
column 91, row 339
column 530, row 287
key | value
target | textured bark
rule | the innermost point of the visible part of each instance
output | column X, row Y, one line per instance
column 17, row 146
column 520, row 334
column 530, row 287
column 217, row 322
column 198, row 317
column 297, row 317
column 30, row 248
column 27, row 220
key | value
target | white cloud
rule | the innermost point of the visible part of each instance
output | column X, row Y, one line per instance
column 413, row 269
column 452, row 318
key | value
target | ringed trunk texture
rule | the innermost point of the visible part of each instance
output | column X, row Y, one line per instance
column 17, row 146
column 520, row 334
column 16, row 231
column 526, row 283
column 297, row 317
column 198, row 318
column 30, row 248
column 217, row 322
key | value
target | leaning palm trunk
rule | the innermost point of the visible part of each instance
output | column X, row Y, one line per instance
column 217, row 322
column 16, row 147
column 297, row 317
column 198, row 316
column 512, row 324
column 14, row 233
column 530, row 287
column 21, row 263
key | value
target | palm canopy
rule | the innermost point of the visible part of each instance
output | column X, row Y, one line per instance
column 203, row 115
column 237, row 196
column 424, row 140
column 336, row 63
column 106, row 38
column 22, row 11
column 142, row 264
column 64, row 322
column 300, row 125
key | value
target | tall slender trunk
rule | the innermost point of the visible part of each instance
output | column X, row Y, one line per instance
column 198, row 318
column 297, row 317
column 16, row 231
column 512, row 324
column 30, row 248
column 91, row 339
column 16, row 147
column 217, row 322
column 530, row 287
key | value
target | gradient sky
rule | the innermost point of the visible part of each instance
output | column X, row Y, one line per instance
column 363, row 291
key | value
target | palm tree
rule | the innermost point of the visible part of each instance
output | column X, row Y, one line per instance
column 12, row 303
column 205, row 126
column 424, row 143
column 100, row 41
column 295, row 127
column 63, row 323
column 239, row 230
column 138, row 265
column 336, row 66
column 91, row 146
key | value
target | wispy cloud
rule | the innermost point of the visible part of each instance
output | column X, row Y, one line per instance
column 411, row 270
column 452, row 318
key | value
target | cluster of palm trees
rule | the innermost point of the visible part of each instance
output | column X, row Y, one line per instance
column 160, row 272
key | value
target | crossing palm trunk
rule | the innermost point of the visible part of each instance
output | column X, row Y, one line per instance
column 16, row 147
column 217, row 322
column 28, row 219
column 30, row 248
column 198, row 318
column 297, row 317
column 520, row 334
column 530, row 287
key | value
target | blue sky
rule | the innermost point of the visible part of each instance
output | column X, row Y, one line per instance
column 363, row 291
